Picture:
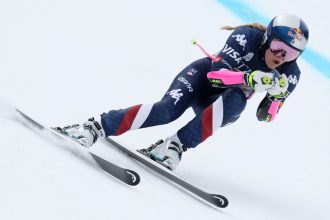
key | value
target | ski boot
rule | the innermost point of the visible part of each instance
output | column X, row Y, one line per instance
column 167, row 152
column 85, row 134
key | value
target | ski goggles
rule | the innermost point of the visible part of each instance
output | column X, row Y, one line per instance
column 278, row 47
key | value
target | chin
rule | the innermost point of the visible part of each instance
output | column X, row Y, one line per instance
column 273, row 64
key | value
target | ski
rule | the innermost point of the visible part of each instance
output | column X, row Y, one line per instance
column 127, row 176
column 214, row 200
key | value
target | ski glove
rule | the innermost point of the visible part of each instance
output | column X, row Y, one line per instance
column 275, row 84
column 260, row 81
column 280, row 86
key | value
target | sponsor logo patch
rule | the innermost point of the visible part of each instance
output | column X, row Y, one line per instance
column 240, row 38
column 175, row 94
column 248, row 56
column 296, row 34
column 192, row 72
column 187, row 84
column 232, row 53
column 293, row 79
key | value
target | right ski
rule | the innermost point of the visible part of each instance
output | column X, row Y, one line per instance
column 214, row 200
column 127, row 176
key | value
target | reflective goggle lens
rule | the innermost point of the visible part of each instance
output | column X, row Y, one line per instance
column 278, row 47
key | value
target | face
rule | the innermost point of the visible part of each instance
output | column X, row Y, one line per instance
column 279, row 53
column 273, row 61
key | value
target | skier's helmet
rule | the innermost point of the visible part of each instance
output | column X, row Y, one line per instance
column 289, row 29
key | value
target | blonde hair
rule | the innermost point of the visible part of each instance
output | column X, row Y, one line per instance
column 253, row 25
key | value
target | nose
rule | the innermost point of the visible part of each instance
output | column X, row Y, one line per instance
column 280, row 56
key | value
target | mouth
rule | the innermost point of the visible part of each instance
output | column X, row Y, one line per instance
column 276, row 62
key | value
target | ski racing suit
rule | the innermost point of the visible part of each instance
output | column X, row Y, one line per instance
column 213, row 107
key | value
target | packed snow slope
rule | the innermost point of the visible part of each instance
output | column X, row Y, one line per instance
column 62, row 62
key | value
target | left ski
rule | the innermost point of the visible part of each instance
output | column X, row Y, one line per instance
column 127, row 176
column 214, row 200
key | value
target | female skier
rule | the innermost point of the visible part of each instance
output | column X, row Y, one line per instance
column 254, row 58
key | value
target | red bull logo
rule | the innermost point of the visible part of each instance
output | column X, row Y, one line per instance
column 297, row 30
column 296, row 34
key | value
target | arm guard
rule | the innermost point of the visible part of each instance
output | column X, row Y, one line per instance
column 268, row 109
column 226, row 78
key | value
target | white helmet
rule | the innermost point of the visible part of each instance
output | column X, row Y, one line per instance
column 290, row 29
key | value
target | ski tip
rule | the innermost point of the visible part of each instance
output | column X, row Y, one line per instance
column 220, row 201
column 134, row 178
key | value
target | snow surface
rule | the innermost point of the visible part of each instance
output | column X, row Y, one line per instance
column 65, row 61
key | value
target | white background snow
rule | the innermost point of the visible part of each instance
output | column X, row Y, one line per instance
column 67, row 60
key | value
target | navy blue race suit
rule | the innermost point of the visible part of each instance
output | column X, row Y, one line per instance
column 213, row 107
